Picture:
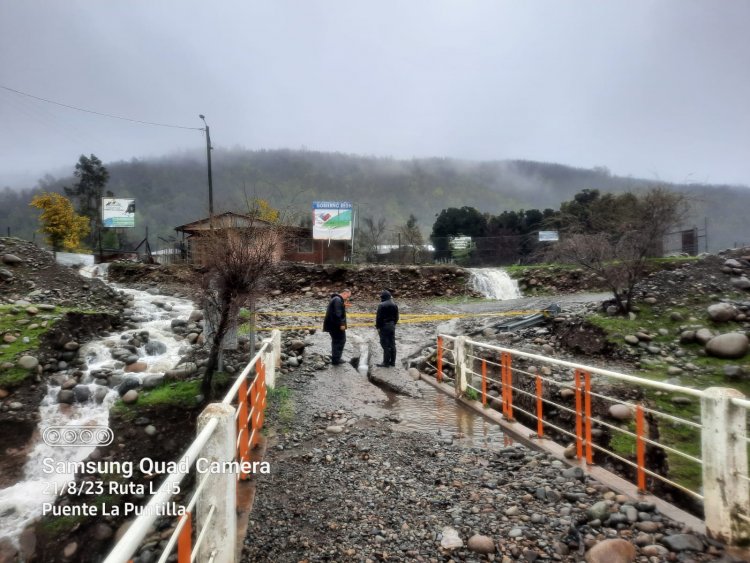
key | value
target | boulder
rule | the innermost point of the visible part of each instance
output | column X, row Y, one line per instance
column 11, row 259
column 481, row 544
column 82, row 393
column 721, row 312
column 136, row 367
column 130, row 397
column 155, row 348
column 682, row 542
column 741, row 282
column 127, row 385
column 730, row 345
column 27, row 362
column 621, row 412
column 611, row 551
column 66, row 396
column 703, row 335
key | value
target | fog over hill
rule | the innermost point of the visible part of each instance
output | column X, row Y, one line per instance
column 172, row 190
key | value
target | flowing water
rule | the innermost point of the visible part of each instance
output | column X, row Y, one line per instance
column 494, row 283
column 22, row 503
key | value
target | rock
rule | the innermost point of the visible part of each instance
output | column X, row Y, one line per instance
column 732, row 263
column 6, row 274
column 687, row 337
column 682, row 542
column 654, row 550
column 631, row 339
column 103, row 532
column 450, row 539
column 730, row 345
column 570, row 451
column 150, row 430
column 153, row 381
column 27, row 362
column 82, row 393
column 721, row 312
column 733, row 371
column 155, row 348
column 11, row 259
column 182, row 371
column 414, row 374
column 334, row 429
column 130, row 397
column 32, row 311
column 195, row 316
column 574, row 472
column 703, row 335
column 599, row 511
column 621, row 412
column 648, row 526
column 70, row 550
column 676, row 316
column 8, row 338
column 481, row 544
column 4, row 393
column 741, row 283
column 71, row 346
column 136, row 367
column 66, row 396
column 128, row 384
column 567, row 393
column 611, row 551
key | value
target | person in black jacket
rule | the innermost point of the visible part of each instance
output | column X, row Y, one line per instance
column 335, row 324
column 385, row 322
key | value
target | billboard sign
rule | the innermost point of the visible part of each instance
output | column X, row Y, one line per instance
column 548, row 236
column 332, row 220
column 118, row 212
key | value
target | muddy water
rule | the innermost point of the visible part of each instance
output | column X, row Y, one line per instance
column 342, row 387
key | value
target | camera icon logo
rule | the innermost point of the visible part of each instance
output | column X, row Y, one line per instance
column 77, row 436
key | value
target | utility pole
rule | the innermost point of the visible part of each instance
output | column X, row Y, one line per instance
column 210, row 177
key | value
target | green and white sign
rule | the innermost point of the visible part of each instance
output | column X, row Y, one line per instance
column 118, row 212
column 332, row 220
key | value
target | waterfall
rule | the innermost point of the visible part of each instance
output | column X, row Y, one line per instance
column 494, row 283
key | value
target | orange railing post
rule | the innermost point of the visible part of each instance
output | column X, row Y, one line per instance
column 589, row 442
column 539, row 408
column 242, row 430
column 484, row 382
column 506, row 362
column 185, row 540
column 640, row 448
column 440, row 359
column 579, row 416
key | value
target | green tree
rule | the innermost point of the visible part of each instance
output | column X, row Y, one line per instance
column 618, row 252
column 89, row 190
column 451, row 222
column 61, row 225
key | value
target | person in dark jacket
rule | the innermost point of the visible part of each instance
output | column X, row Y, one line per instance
column 335, row 324
column 385, row 322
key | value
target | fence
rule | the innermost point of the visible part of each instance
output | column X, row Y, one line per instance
column 207, row 531
column 524, row 388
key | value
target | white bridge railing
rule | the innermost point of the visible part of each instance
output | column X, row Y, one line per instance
column 521, row 385
column 207, row 531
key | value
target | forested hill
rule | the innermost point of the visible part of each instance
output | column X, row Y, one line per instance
column 172, row 190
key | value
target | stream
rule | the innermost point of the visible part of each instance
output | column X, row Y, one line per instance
column 22, row 503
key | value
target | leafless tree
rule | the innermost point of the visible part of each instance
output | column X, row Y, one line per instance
column 370, row 236
column 619, row 254
column 412, row 238
column 237, row 262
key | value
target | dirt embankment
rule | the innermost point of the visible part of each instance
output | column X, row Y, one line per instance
column 314, row 280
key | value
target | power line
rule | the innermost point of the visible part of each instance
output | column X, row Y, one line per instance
column 99, row 113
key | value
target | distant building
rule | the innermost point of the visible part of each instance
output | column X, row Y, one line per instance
column 295, row 243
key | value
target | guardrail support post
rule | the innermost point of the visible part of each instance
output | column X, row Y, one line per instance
column 221, row 488
column 269, row 361
column 724, row 452
column 276, row 337
column 459, row 353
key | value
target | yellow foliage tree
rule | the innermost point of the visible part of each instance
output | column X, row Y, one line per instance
column 261, row 209
column 62, row 226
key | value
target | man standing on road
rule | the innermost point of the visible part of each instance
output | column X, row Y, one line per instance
column 335, row 324
column 385, row 322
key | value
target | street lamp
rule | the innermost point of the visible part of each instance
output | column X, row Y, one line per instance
column 210, row 178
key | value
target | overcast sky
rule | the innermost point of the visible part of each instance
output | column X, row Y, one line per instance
column 655, row 89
